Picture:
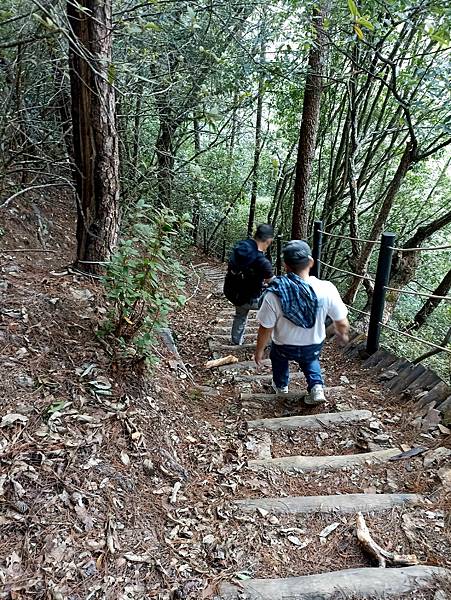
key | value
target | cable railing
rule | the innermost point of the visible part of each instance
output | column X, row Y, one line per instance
column 420, row 294
column 421, row 249
column 380, row 284
column 380, row 281
column 348, row 237
column 357, row 310
column 416, row 338
column 346, row 272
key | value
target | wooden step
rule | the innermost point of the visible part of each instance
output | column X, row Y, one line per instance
column 294, row 464
column 245, row 365
column 401, row 382
column 266, row 378
column 230, row 348
column 225, row 331
column 225, row 339
column 343, row 504
column 224, row 320
column 311, row 422
column 356, row 583
column 292, row 396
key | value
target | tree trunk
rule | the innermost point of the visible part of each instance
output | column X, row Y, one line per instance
column 94, row 130
column 164, row 150
column 137, row 128
column 258, row 139
column 308, row 129
column 196, row 207
column 431, row 304
column 404, row 165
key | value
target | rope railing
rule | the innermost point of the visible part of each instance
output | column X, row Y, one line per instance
column 381, row 285
column 347, row 272
column 412, row 293
column 356, row 310
column 414, row 337
column 425, row 249
column 348, row 237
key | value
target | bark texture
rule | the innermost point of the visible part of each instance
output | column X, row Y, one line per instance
column 96, row 150
column 308, row 130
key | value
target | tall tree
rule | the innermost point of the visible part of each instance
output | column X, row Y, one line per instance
column 258, row 132
column 96, row 151
column 309, row 128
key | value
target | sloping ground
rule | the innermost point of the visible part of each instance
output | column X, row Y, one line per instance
column 113, row 486
column 312, row 475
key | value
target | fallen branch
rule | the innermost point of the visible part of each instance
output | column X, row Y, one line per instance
column 225, row 360
column 377, row 552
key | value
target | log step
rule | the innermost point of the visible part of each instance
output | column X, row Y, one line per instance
column 225, row 331
column 294, row 464
column 311, row 422
column 360, row 583
column 267, row 378
column 344, row 504
column 245, row 364
column 230, row 348
column 225, row 339
column 290, row 396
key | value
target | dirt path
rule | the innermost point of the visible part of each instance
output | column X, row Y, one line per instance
column 119, row 486
column 298, row 484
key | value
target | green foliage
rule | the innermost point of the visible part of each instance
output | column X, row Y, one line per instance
column 143, row 281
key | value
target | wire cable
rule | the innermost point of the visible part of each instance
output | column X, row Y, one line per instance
column 429, row 248
column 347, row 272
column 361, row 312
column 347, row 237
column 414, row 337
column 411, row 293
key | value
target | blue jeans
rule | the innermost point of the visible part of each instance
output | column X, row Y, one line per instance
column 307, row 358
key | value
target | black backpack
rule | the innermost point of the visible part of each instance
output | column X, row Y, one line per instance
column 236, row 285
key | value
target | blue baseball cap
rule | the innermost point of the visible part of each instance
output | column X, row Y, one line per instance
column 296, row 253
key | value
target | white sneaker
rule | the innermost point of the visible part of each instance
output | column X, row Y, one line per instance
column 316, row 395
column 279, row 390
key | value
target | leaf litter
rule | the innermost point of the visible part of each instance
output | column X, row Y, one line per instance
column 117, row 487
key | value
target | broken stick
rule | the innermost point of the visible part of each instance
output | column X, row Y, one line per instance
column 225, row 360
column 376, row 551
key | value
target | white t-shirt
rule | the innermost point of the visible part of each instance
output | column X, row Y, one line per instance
column 285, row 332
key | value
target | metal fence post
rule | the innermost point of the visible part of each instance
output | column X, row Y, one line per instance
column 316, row 250
column 382, row 278
column 279, row 255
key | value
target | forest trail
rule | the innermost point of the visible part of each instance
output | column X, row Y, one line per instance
column 388, row 476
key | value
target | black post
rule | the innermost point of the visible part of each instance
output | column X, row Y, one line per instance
column 382, row 279
column 279, row 255
column 316, row 250
column 205, row 241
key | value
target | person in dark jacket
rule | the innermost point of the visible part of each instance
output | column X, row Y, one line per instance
column 248, row 270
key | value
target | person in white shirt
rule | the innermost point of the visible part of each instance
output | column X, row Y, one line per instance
column 293, row 314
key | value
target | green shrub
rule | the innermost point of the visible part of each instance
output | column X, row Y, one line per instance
column 143, row 282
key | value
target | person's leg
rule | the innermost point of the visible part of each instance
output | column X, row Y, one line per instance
column 239, row 324
column 280, row 366
column 309, row 362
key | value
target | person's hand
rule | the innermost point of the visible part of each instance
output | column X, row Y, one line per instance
column 258, row 357
column 342, row 338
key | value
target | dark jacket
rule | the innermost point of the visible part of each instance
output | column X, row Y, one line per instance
column 247, row 259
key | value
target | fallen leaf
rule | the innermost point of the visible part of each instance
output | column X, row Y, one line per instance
column 12, row 418
column 84, row 516
column 328, row 530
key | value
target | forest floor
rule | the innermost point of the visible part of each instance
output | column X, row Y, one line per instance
column 117, row 486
